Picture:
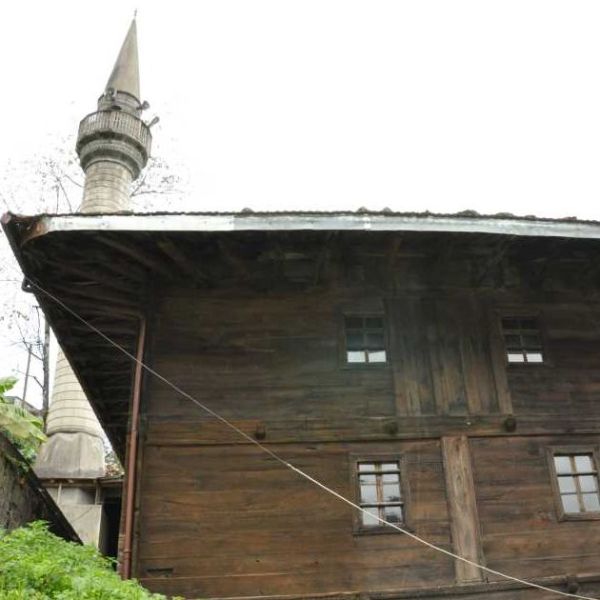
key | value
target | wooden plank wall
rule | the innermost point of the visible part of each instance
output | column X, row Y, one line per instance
column 218, row 520
column 521, row 532
column 568, row 383
column 462, row 502
column 262, row 356
column 230, row 521
column 288, row 351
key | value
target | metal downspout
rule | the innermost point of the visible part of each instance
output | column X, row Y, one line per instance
column 132, row 454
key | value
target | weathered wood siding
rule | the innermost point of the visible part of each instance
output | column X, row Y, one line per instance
column 568, row 383
column 230, row 521
column 219, row 519
column 256, row 356
column 521, row 532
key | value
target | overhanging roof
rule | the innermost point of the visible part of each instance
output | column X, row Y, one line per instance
column 467, row 222
column 101, row 266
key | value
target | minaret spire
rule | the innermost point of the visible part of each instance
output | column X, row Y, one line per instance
column 125, row 76
column 114, row 143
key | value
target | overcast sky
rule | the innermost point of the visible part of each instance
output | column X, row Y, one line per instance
column 413, row 105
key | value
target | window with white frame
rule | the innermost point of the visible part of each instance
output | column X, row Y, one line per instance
column 365, row 339
column 522, row 340
column 380, row 492
column 576, row 482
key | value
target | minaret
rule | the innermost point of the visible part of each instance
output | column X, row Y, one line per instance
column 113, row 145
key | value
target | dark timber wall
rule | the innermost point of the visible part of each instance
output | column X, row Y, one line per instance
column 217, row 518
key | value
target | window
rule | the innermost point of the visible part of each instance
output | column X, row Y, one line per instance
column 576, row 483
column 522, row 340
column 379, row 493
column 365, row 340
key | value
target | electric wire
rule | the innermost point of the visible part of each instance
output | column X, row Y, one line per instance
column 293, row 468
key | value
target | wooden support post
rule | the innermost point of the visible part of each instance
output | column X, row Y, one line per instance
column 460, row 488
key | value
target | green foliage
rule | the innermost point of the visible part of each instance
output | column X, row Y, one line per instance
column 25, row 430
column 37, row 565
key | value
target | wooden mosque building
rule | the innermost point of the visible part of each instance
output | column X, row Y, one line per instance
column 441, row 371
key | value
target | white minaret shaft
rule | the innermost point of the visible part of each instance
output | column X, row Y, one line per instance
column 113, row 146
column 74, row 449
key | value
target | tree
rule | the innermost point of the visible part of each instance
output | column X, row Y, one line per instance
column 53, row 182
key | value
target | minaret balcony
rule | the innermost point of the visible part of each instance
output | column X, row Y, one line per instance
column 115, row 123
column 115, row 136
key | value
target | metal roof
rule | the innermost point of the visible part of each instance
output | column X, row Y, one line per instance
column 467, row 222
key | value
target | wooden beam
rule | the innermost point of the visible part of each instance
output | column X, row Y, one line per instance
column 496, row 257
column 168, row 431
column 183, row 262
column 91, row 274
column 238, row 264
column 91, row 307
column 499, row 362
column 96, row 293
column 145, row 258
column 323, row 258
column 464, row 521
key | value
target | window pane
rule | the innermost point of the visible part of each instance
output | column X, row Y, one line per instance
column 513, row 357
column 389, row 466
column 366, row 466
column 566, row 485
column 354, row 322
column 535, row 357
column 356, row 357
column 367, row 479
column 512, row 342
column 368, row 494
column 509, row 323
column 390, row 477
column 377, row 357
column 583, row 462
column 374, row 322
column 393, row 514
column 588, row 483
column 369, row 517
column 391, row 492
column 528, row 323
column 532, row 342
column 570, row 503
column 374, row 341
column 591, row 502
column 562, row 464
column 355, row 341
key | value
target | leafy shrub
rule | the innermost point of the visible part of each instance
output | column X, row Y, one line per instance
column 37, row 565
column 21, row 427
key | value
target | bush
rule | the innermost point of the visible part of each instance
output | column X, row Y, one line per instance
column 23, row 429
column 37, row 565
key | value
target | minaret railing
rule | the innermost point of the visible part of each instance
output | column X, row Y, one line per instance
column 114, row 122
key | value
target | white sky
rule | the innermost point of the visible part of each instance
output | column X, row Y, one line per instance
column 322, row 104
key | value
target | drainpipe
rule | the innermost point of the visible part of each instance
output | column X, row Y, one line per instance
column 132, row 454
